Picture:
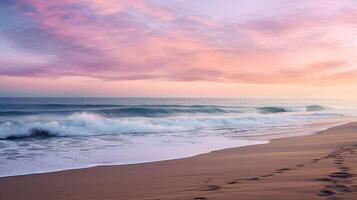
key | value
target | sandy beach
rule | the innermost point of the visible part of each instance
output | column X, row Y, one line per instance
column 320, row 166
column 178, row 100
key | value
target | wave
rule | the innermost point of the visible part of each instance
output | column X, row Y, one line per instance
column 91, row 124
column 33, row 133
column 143, row 110
column 272, row 109
column 309, row 108
column 160, row 111
column 116, row 110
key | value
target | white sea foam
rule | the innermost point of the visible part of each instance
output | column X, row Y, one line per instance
column 136, row 150
column 89, row 124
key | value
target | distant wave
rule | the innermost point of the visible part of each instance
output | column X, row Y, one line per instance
column 115, row 110
column 314, row 108
column 160, row 111
column 142, row 110
column 273, row 109
column 309, row 108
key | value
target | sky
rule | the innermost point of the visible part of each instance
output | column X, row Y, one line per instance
column 189, row 48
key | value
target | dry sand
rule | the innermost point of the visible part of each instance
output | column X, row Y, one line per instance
column 321, row 166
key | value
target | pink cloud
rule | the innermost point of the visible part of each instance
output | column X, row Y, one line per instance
column 136, row 40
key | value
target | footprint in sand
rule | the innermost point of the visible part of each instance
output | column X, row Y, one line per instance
column 325, row 193
column 330, row 191
column 299, row 165
column 316, row 160
column 339, row 188
column 342, row 175
column 255, row 178
column 212, row 188
column 324, row 179
column 282, row 170
column 345, row 169
column 232, row 182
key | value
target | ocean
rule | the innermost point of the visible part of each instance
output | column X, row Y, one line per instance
column 50, row 134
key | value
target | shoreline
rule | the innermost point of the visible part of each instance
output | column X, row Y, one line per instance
column 263, row 139
column 129, row 164
column 199, row 175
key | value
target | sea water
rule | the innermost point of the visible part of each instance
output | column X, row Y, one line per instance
column 50, row 134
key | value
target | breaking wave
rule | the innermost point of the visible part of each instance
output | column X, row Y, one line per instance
column 32, row 133
column 89, row 124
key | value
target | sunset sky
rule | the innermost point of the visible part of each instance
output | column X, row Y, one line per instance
column 214, row 48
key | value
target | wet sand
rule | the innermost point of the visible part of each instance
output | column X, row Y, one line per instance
column 320, row 166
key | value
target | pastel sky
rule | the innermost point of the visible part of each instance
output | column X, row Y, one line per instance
column 216, row 48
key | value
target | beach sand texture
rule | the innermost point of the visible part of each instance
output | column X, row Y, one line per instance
column 320, row 166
